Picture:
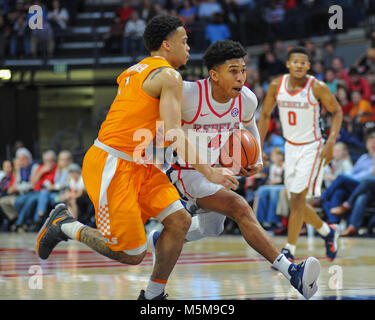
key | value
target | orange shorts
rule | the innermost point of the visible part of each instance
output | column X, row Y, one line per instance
column 125, row 195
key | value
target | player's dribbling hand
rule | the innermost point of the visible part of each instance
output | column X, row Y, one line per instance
column 252, row 170
column 223, row 176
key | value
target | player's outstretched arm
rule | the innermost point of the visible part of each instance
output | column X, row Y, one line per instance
column 324, row 95
column 170, row 112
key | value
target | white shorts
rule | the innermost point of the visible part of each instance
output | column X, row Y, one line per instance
column 303, row 168
column 192, row 185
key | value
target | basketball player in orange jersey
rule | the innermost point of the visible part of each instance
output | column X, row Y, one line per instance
column 298, row 96
column 125, row 193
column 212, row 108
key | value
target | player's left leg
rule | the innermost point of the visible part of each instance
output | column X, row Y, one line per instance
column 328, row 232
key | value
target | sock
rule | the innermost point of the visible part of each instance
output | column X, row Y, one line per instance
column 324, row 230
column 291, row 247
column 155, row 288
column 71, row 229
column 282, row 264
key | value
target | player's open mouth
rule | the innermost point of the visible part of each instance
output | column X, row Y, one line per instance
column 237, row 89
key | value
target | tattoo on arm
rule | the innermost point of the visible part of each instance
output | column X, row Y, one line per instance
column 157, row 72
column 95, row 240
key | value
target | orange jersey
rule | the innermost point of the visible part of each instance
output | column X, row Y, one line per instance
column 133, row 108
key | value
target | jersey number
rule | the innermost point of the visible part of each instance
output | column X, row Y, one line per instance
column 292, row 118
column 215, row 142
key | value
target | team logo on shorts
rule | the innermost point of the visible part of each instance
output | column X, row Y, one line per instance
column 234, row 112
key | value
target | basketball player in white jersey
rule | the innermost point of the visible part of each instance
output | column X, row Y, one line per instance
column 298, row 96
column 217, row 106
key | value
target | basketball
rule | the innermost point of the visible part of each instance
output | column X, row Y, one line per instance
column 240, row 149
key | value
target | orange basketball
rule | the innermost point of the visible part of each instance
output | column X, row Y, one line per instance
column 241, row 149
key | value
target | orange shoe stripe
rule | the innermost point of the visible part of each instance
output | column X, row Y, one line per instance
column 40, row 237
column 57, row 220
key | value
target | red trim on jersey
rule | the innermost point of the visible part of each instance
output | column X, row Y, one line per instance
column 209, row 104
column 199, row 106
column 278, row 89
column 316, row 158
column 301, row 143
column 308, row 93
column 183, row 185
column 293, row 94
column 240, row 107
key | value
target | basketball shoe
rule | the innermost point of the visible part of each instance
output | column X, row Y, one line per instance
column 331, row 242
column 50, row 234
column 161, row 296
column 304, row 276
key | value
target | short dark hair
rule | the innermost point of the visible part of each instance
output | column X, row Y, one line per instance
column 298, row 50
column 158, row 29
column 221, row 51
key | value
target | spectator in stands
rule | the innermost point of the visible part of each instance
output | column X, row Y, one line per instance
column 20, row 38
column 358, row 200
column 114, row 38
column 318, row 70
column 146, row 10
column 43, row 177
column 315, row 53
column 274, row 16
column 275, row 66
column 341, row 164
column 75, row 190
column 48, row 196
column 344, row 184
column 360, row 108
column 343, row 97
column 366, row 65
column 125, row 11
column 207, row 9
column 24, row 169
column 267, row 195
column 281, row 51
column 329, row 53
column 357, row 82
column 217, row 30
column 188, row 11
column 59, row 18
column 44, row 36
column 7, row 177
column 133, row 41
column 331, row 80
column 271, row 141
column 339, row 66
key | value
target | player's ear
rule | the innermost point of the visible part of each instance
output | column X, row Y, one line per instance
column 288, row 64
column 213, row 74
column 165, row 44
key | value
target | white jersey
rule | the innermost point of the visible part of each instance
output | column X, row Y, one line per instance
column 299, row 112
column 212, row 122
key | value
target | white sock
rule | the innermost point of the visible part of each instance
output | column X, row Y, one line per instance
column 324, row 230
column 291, row 247
column 71, row 229
column 154, row 289
column 282, row 264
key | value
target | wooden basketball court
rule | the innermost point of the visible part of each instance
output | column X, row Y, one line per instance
column 210, row 269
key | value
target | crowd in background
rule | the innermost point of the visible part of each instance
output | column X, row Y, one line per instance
column 206, row 21
column 29, row 190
